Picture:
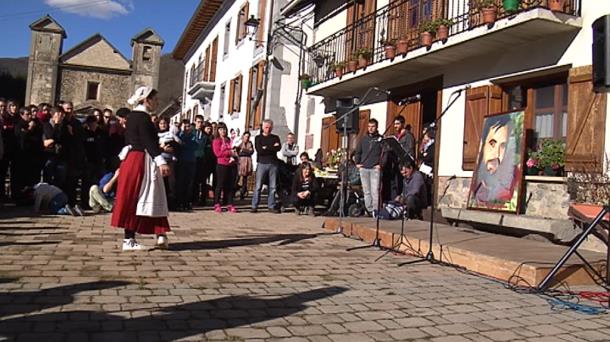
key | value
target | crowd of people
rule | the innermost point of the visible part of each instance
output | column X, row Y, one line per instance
column 47, row 150
column 65, row 163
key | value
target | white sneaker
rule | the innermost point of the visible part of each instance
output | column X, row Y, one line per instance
column 162, row 242
column 131, row 245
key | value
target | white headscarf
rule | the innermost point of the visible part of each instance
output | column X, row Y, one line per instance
column 140, row 95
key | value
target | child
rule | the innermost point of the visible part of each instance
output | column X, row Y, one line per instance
column 101, row 196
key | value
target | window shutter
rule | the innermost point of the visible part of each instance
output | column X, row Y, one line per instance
column 244, row 32
column 238, row 87
column 214, row 60
column 480, row 102
column 262, row 13
column 586, row 123
column 330, row 138
column 258, row 115
column 230, row 107
column 251, row 84
column 206, row 66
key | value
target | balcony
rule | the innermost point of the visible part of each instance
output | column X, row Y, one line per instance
column 199, row 87
column 468, row 37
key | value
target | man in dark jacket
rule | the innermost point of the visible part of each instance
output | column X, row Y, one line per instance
column 414, row 192
column 267, row 146
column 368, row 158
column 73, row 140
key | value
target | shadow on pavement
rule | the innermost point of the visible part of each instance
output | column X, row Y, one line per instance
column 14, row 303
column 169, row 323
column 285, row 239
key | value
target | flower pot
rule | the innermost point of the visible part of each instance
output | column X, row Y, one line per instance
column 390, row 51
column 442, row 33
column 363, row 62
column 533, row 171
column 402, row 47
column 352, row 65
column 425, row 38
column 489, row 15
column 556, row 5
column 339, row 72
column 511, row 5
column 306, row 83
column 554, row 172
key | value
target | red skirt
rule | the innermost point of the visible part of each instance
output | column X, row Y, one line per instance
column 124, row 215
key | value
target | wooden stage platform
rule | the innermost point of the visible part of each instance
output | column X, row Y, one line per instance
column 518, row 261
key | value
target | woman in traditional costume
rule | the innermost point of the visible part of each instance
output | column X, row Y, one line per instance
column 141, row 203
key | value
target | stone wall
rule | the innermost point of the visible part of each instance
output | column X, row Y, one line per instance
column 114, row 88
column 42, row 67
column 546, row 198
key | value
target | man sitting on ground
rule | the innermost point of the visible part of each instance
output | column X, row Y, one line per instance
column 414, row 194
column 101, row 196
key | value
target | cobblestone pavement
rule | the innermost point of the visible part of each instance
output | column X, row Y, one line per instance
column 258, row 277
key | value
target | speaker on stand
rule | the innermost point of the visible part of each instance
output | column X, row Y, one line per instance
column 345, row 105
column 601, row 53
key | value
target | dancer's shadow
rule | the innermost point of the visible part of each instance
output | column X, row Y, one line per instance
column 171, row 323
column 31, row 301
column 283, row 239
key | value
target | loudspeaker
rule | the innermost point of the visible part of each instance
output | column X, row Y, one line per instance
column 344, row 105
column 601, row 53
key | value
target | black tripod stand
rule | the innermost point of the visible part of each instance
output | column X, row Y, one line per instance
column 574, row 250
column 430, row 255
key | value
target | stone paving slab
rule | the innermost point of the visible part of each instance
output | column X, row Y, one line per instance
column 250, row 277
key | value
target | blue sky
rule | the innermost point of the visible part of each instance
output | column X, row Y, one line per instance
column 117, row 20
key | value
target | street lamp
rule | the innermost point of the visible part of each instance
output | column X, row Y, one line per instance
column 252, row 25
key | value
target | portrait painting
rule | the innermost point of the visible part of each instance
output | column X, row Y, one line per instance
column 498, row 176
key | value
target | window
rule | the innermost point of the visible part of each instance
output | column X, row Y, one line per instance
column 227, row 38
column 241, row 31
column 147, row 53
column 93, row 90
column 235, row 94
column 221, row 105
column 206, row 68
column 550, row 112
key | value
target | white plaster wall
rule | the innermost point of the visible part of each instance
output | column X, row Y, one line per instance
column 240, row 59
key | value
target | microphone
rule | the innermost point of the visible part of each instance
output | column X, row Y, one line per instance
column 409, row 99
column 464, row 88
column 385, row 91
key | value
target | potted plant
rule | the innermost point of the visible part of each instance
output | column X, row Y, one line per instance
column 389, row 46
column 533, row 164
column 442, row 28
column 511, row 6
column 338, row 67
column 488, row 10
column 556, row 5
column 551, row 157
column 402, row 46
column 364, row 55
column 427, row 31
column 352, row 65
column 305, row 81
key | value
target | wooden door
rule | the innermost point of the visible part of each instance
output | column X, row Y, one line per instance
column 412, row 112
column 363, row 123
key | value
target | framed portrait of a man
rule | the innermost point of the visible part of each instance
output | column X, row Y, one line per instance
column 498, row 176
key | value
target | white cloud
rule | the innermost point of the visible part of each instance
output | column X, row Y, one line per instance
column 102, row 9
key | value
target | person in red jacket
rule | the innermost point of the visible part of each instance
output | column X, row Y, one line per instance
column 226, row 169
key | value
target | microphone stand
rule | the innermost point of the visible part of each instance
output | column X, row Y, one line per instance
column 344, row 146
column 430, row 255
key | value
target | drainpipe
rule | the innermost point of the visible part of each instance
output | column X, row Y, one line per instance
column 300, row 90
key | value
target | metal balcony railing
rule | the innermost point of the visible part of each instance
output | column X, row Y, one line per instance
column 401, row 21
column 196, row 76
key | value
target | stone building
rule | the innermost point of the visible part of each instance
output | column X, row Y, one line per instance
column 91, row 74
